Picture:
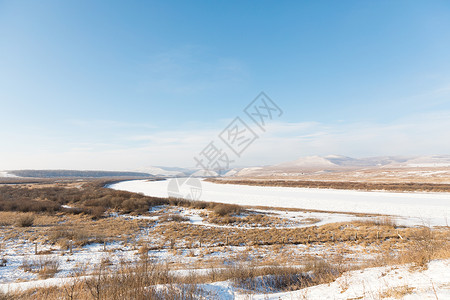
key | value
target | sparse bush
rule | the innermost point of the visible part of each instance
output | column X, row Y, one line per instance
column 143, row 251
column 173, row 217
column 97, row 212
column 227, row 209
column 423, row 248
column 199, row 204
column 3, row 262
column 45, row 267
column 277, row 278
column 137, row 282
column 26, row 221
column 322, row 271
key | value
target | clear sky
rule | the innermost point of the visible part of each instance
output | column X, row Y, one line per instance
column 123, row 85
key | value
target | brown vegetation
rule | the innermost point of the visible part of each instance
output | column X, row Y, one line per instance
column 227, row 209
column 92, row 198
column 26, row 220
column 45, row 267
column 139, row 281
column 344, row 185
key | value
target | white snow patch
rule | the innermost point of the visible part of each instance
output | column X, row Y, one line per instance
column 6, row 174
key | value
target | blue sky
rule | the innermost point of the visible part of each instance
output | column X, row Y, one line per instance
column 130, row 84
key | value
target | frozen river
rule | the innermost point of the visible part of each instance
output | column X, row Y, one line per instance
column 411, row 208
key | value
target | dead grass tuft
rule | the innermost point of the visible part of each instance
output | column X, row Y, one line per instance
column 173, row 218
column 45, row 267
column 227, row 209
column 398, row 292
column 26, row 220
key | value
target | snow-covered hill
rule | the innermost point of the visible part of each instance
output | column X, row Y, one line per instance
column 6, row 174
column 162, row 171
column 308, row 162
column 433, row 161
column 336, row 163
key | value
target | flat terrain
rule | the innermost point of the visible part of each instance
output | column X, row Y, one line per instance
column 409, row 208
column 75, row 239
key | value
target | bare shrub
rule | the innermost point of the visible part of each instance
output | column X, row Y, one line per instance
column 138, row 282
column 97, row 212
column 275, row 278
column 199, row 204
column 45, row 267
column 227, row 209
column 270, row 279
column 143, row 251
column 423, row 249
column 173, row 217
column 225, row 220
column 420, row 246
column 322, row 271
column 26, row 220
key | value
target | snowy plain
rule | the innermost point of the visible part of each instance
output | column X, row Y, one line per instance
column 408, row 208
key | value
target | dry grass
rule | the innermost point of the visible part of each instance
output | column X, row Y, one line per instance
column 337, row 232
column 83, row 230
column 127, row 282
column 45, row 267
column 257, row 219
column 139, row 281
column 421, row 246
column 8, row 218
column 59, row 228
column 26, row 220
column 398, row 292
column 345, row 185
column 384, row 221
column 426, row 245
column 282, row 278
column 172, row 218
column 227, row 209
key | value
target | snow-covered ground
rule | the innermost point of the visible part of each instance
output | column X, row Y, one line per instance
column 393, row 282
column 16, row 252
column 410, row 208
column 372, row 283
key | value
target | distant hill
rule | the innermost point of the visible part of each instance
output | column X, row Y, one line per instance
column 166, row 171
column 337, row 163
column 75, row 174
column 4, row 174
